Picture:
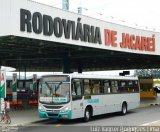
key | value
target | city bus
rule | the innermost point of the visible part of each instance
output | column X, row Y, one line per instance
column 71, row 96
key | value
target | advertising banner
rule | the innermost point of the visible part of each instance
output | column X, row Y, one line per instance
column 3, row 84
column 2, row 89
column 34, row 83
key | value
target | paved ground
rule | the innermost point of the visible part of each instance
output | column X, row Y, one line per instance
column 141, row 119
column 151, row 101
column 136, row 117
column 21, row 117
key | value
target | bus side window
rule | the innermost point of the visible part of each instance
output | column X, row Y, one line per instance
column 95, row 86
column 136, row 88
column 133, row 86
column 87, row 86
column 107, row 88
column 122, row 87
column 114, row 86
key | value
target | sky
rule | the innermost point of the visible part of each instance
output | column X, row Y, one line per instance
column 141, row 14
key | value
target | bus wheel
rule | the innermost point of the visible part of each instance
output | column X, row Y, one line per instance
column 124, row 108
column 87, row 115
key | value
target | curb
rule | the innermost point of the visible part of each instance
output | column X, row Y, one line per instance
column 154, row 104
column 149, row 104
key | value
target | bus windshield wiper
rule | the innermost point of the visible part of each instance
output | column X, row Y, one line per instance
column 50, row 88
column 56, row 88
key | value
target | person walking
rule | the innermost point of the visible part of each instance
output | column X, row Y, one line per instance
column 7, row 110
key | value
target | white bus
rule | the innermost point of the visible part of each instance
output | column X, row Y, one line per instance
column 83, row 96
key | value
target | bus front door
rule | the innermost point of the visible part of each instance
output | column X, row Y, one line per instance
column 77, row 103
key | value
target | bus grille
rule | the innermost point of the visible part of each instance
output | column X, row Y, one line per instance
column 56, row 111
column 52, row 107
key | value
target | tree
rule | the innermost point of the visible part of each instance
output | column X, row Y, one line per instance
column 155, row 73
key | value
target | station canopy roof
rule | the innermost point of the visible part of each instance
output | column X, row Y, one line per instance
column 38, row 55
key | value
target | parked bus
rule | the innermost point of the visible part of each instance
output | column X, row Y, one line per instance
column 83, row 96
column 147, row 88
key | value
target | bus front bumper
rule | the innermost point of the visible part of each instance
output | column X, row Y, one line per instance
column 62, row 115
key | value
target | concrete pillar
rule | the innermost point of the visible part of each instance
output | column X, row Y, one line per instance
column 66, row 64
column 19, row 73
column 25, row 69
column 80, row 67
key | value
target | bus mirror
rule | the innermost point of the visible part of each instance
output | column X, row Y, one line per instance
column 73, row 94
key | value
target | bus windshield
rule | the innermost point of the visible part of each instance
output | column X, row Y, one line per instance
column 54, row 92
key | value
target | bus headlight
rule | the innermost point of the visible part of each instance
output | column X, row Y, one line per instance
column 65, row 109
column 41, row 107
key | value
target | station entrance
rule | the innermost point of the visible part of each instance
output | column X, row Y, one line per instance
column 50, row 39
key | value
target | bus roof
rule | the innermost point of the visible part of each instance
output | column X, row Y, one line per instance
column 95, row 76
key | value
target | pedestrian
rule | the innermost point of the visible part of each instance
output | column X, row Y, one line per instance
column 7, row 107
